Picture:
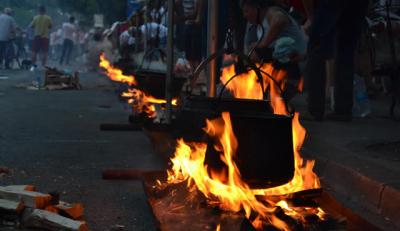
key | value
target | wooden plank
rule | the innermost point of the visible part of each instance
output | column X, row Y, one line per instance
column 13, row 207
column 30, row 188
column 73, row 211
column 42, row 219
column 124, row 174
column 121, row 127
column 30, row 199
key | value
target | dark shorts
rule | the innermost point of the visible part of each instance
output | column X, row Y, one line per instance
column 193, row 43
column 40, row 44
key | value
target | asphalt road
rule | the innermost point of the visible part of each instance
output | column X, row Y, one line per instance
column 51, row 139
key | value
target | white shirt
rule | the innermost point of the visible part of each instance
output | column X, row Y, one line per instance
column 69, row 30
column 158, row 15
column 149, row 30
column 126, row 39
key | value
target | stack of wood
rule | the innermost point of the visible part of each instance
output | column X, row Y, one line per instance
column 59, row 80
column 22, row 207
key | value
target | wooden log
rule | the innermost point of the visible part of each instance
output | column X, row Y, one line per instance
column 73, row 211
column 42, row 219
column 30, row 199
column 51, row 209
column 124, row 174
column 13, row 207
column 120, row 127
column 30, row 188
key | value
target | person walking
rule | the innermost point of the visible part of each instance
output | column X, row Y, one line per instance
column 7, row 31
column 68, row 30
column 334, row 28
column 41, row 24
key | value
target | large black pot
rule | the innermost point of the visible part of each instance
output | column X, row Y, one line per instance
column 265, row 155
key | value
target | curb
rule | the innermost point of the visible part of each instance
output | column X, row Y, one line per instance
column 375, row 196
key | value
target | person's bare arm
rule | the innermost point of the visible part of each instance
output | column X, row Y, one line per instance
column 309, row 9
column 32, row 24
column 277, row 22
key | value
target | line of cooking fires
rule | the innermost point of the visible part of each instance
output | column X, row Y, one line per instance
column 140, row 101
column 226, row 189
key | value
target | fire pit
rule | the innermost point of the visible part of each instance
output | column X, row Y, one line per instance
column 195, row 196
column 145, row 90
column 174, row 212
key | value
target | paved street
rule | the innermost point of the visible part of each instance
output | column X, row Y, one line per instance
column 51, row 139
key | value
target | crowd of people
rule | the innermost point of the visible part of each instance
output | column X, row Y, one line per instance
column 321, row 34
column 41, row 40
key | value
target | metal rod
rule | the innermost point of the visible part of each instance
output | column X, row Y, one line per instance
column 393, row 72
column 170, row 61
column 212, row 44
column 137, row 40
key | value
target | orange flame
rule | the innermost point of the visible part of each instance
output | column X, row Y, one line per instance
column 116, row 74
column 247, row 85
column 144, row 103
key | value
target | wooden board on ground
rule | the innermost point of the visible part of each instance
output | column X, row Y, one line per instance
column 30, row 199
column 13, row 207
column 42, row 219
column 73, row 211
column 57, row 80
column 21, row 187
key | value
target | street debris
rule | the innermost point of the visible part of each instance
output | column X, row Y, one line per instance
column 61, row 80
column 22, row 207
column 54, row 79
